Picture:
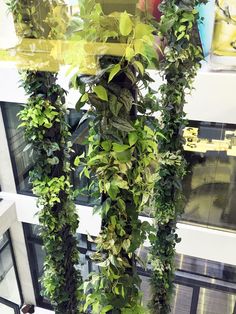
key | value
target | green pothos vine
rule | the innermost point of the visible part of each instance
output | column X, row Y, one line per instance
column 182, row 56
column 47, row 133
column 122, row 154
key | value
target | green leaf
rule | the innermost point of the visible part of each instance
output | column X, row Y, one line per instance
column 126, row 97
column 139, row 46
column 142, row 30
column 120, row 182
column 114, row 71
column 122, row 125
column 139, row 66
column 161, row 135
column 84, row 98
column 114, row 105
column 53, row 161
column 124, row 156
column 106, row 206
column 113, row 221
column 86, row 173
column 121, row 204
column 104, row 264
column 106, row 309
column 113, row 191
column 99, row 158
column 167, row 24
column 131, row 75
column 126, row 24
column 101, row 92
column 119, row 147
column 106, row 145
column 133, row 137
column 129, row 53
column 76, row 161
column 181, row 35
column 126, row 244
column 80, row 103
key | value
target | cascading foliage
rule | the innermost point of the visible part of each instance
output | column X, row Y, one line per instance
column 122, row 154
column 182, row 56
column 47, row 133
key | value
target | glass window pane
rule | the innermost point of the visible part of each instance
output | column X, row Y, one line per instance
column 182, row 300
column 209, row 185
column 146, row 289
column 22, row 161
column 3, row 240
column 211, row 269
column 40, row 255
column 215, row 302
column 8, row 283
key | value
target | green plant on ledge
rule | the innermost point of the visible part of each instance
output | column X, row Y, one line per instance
column 182, row 56
column 47, row 133
column 122, row 154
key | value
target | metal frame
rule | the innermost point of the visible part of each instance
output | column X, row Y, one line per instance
column 10, row 304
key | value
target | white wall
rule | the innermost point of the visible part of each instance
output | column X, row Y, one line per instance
column 212, row 100
column 8, row 220
column 210, row 244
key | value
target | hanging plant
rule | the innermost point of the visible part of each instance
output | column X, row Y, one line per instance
column 122, row 153
column 182, row 57
column 48, row 135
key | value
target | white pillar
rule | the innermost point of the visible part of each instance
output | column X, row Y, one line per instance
column 8, row 38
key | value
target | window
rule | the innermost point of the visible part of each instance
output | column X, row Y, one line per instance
column 9, row 283
column 193, row 275
column 23, row 161
column 209, row 185
column 36, row 259
column 211, row 177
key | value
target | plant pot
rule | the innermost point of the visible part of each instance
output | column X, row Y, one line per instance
column 110, row 6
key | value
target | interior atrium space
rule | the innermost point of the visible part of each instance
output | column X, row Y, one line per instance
column 117, row 157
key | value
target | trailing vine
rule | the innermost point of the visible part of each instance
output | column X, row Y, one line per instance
column 48, row 135
column 182, row 57
column 122, row 154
